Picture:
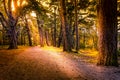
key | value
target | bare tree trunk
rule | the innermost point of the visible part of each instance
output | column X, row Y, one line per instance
column 13, row 38
column 60, row 37
column 54, row 34
column 41, row 36
column 70, row 30
column 40, row 30
column 52, row 38
column 21, row 39
column 76, row 27
column 84, row 38
column 47, row 38
column 0, row 37
column 24, row 41
column 28, row 32
column 107, row 27
column 65, row 27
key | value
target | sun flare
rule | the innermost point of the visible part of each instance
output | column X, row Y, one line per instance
column 13, row 6
column 18, row 2
column 33, row 14
column 24, row 3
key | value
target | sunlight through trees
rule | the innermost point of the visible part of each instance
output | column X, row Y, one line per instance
column 72, row 25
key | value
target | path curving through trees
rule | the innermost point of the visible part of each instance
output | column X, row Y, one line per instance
column 38, row 64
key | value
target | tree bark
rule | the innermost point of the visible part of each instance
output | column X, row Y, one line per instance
column 76, row 27
column 54, row 34
column 12, row 32
column 47, row 37
column 13, row 38
column 60, row 37
column 28, row 32
column 65, row 27
column 10, row 23
column 107, row 28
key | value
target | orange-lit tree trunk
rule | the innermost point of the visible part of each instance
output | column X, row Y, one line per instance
column 47, row 37
column 40, row 30
column 107, row 25
column 41, row 34
column 65, row 27
column 13, row 37
column 28, row 32
column 11, row 23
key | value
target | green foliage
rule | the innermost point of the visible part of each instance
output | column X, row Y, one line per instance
column 92, row 16
column 34, row 5
column 118, row 52
column 83, row 4
column 70, row 7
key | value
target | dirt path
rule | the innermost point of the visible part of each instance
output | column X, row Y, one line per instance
column 38, row 64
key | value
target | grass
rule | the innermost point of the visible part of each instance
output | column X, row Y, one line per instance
column 53, row 49
column 88, row 55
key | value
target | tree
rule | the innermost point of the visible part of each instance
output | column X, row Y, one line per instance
column 12, row 9
column 65, row 27
column 107, row 28
column 76, row 27
column 28, row 31
column 54, row 34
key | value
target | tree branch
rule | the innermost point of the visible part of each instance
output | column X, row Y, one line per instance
column 5, row 8
column 3, row 21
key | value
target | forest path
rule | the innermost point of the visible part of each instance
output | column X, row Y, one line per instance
column 38, row 64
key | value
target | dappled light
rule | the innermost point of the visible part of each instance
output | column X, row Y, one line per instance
column 59, row 39
column 13, row 6
column 53, row 49
column 89, row 52
column 24, row 2
column 18, row 2
column 33, row 14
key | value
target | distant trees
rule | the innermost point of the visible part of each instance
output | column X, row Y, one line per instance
column 107, row 27
column 28, row 31
column 74, row 15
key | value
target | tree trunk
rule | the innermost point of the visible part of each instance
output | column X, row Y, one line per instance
column 76, row 27
column 65, row 27
column 0, row 37
column 24, row 40
column 84, row 38
column 41, row 36
column 60, row 37
column 13, row 38
column 54, row 34
column 47, row 37
column 28, row 32
column 107, row 27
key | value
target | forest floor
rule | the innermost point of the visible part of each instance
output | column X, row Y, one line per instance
column 35, row 63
